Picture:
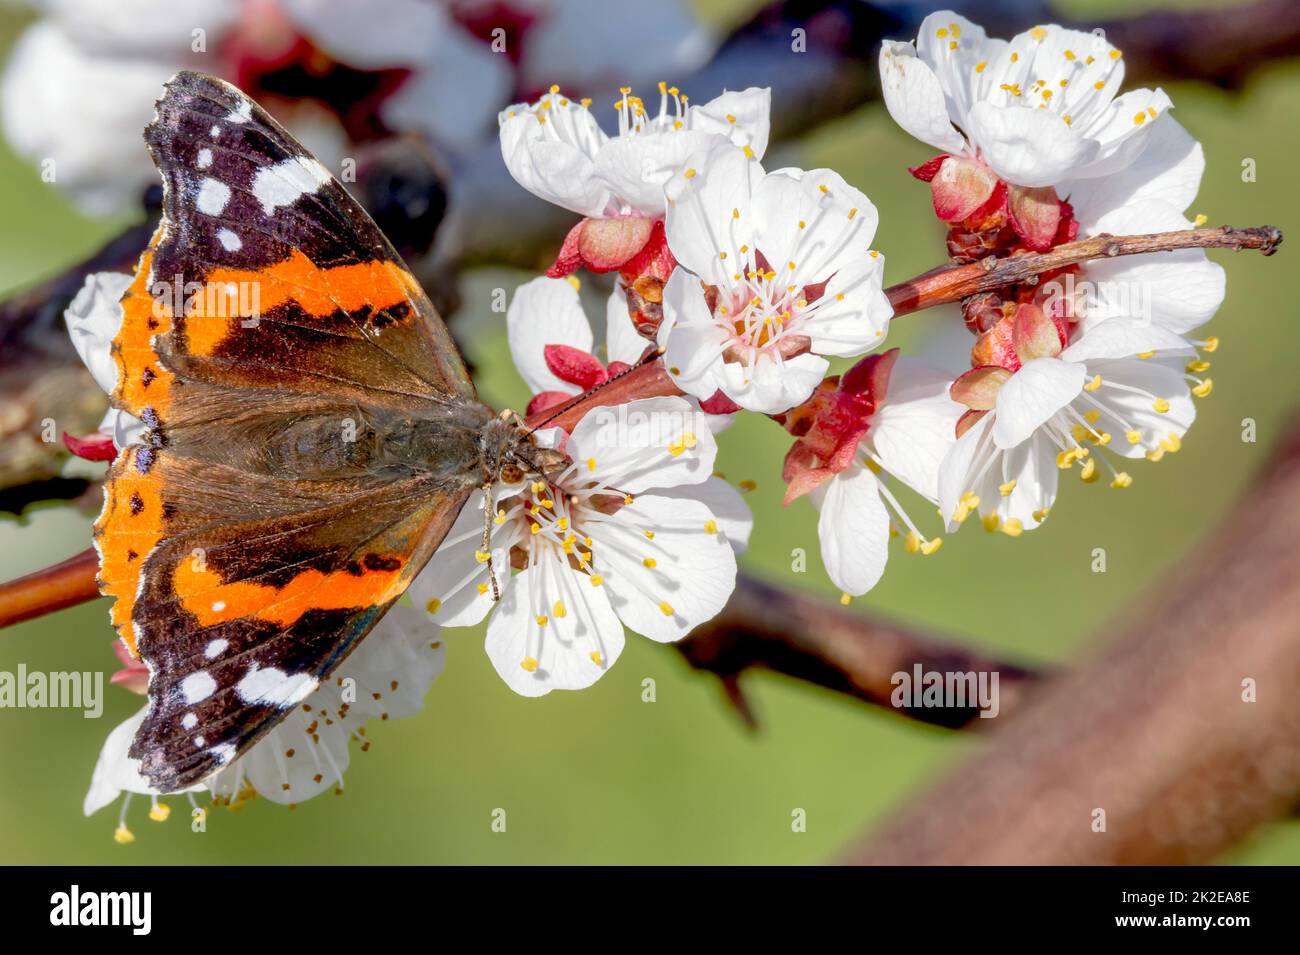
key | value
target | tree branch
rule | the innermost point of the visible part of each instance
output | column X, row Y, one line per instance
column 1154, row 729
column 54, row 588
column 952, row 283
column 767, row 627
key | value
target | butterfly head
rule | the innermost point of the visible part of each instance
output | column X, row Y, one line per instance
column 509, row 452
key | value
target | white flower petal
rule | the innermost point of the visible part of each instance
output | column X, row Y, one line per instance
column 545, row 312
column 915, row 99
column 814, row 219
column 693, row 569
column 94, row 319
column 1032, row 395
column 1169, row 169
column 1137, row 409
column 1180, row 290
column 453, row 587
column 743, row 117
column 963, row 463
column 914, row 429
column 854, row 529
column 552, row 154
column 770, row 386
column 636, row 168
column 1125, row 338
column 569, row 651
column 647, row 443
column 1028, row 147
column 707, row 213
column 734, row 518
column 853, row 314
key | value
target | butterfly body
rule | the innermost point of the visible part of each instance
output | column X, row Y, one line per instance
column 312, row 434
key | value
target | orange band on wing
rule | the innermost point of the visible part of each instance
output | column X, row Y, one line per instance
column 204, row 594
column 128, row 528
column 142, row 381
column 231, row 296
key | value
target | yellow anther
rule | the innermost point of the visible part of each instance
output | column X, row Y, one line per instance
column 845, row 600
column 560, row 610
column 1103, row 439
column 541, row 620
column 555, row 88
column 649, row 535
column 913, row 545
column 1122, row 480
column 482, row 589
column 1040, row 515
column 483, row 556
column 535, row 528
column 1160, row 406
column 1115, row 54
column 529, row 664
column 980, row 67
column 591, row 464
column 932, row 545
column 650, row 562
column 1088, row 473
column 1092, row 416
column 1099, row 85
column 1038, row 33
column 1198, row 365
column 666, row 608
column 500, row 518
column 434, row 605
column 1094, row 384
column 1139, row 119
column 1156, row 454
column 710, row 527
column 1006, row 489
column 1145, row 354
column 585, row 101
column 1204, row 388
column 747, row 485
column 690, row 173
column 822, row 187
column 749, row 152
column 597, row 659
column 159, row 812
column 1211, row 344
column 1013, row 527
column 123, row 836
column 990, row 522
column 1069, row 55
column 1200, row 220
column 730, row 118
column 1134, row 437
column 1172, row 443
column 574, row 281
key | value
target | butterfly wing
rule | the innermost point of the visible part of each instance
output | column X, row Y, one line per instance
column 271, row 341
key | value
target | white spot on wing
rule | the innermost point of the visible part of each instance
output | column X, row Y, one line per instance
column 213, row 196
column 224, row 752
column 275, row 687
column 231, row 243
column 283, row 183
column 242, row 113
column 214, row 132
column 213, row 649
column 189, row 721
column 199, row 741
column 204, row 159
column 198, row 686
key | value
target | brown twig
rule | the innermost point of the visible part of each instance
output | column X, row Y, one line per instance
column 1185, row 731
column 772, row 628
column 45, row 591
column 953, row 283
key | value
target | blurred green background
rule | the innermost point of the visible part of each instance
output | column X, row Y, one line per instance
column 601, row 777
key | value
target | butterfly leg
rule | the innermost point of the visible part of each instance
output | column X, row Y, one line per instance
column 487, row 540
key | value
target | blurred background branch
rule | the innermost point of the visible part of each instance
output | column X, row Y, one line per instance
column 1183, row 728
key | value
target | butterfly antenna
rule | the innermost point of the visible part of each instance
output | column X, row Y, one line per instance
column 647, row 356
column 487, row 540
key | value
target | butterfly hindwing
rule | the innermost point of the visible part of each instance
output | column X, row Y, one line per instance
column 277, row 351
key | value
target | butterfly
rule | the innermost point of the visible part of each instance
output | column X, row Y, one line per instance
column 312, row 434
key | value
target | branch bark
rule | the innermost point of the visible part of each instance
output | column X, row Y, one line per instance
column 771, row 628
column 1153, row 729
